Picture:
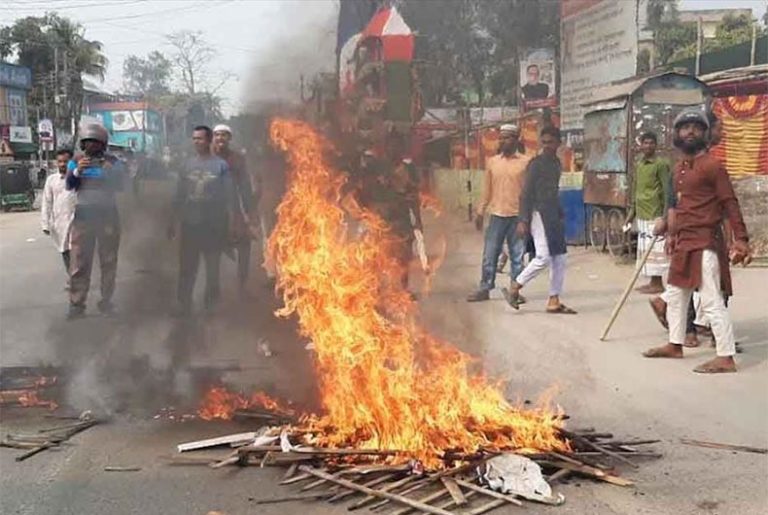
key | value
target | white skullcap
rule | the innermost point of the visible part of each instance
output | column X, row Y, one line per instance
column 509, row 127
column 222, row 128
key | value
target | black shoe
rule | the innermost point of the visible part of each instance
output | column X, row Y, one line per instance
column 106, row 307
column 75, row 311
column 479, row 296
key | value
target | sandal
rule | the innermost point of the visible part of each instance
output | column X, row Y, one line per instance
column 661, row 352
column 710, row 368
column 561, row 309
column 513, row 298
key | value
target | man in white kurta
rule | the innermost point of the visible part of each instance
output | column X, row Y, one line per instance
column 58, row 208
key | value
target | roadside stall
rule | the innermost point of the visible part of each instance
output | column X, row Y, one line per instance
column 740, row 101
column 617, row 116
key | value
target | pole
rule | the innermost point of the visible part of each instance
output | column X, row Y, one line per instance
column 698, row 46
column 56, row 85
column 754, row 44
column 628, row 289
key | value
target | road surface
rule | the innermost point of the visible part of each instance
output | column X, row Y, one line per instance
column 131, row 366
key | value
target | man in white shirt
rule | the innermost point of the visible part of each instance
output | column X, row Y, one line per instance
column 58, row 207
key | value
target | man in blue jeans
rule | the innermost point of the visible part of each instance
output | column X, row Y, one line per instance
column 504, row 178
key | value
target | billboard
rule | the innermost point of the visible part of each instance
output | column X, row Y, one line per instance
column 598, row 41
column 537, row 76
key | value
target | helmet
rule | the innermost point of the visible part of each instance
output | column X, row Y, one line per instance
column 691, row 115
column 94, row 131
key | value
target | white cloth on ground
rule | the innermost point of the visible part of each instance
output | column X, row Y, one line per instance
column 543, row 260
column 657, row 263
column 57, row 210
column 712, row 306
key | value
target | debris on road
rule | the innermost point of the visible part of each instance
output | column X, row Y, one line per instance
column 724, row 446
column 48, row 437
column 380, row 476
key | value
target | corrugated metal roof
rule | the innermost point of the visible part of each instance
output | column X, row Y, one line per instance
column 736, row 74
column 625, row 88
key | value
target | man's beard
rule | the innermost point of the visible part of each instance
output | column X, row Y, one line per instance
column 691, row 147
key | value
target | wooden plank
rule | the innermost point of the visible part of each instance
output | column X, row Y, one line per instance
column 213, row 442
column 373, row 482
column 441, row 492
column 291, row 471
column 489, row 492
column 296, row 479
column 297, row 497
column 450, row 503
column 450, row 484
column 591, row 472
column 559, row 475
column 370, row 491
column 429, row 480
column 724, row 446
column 485, row 508
column 386, row 488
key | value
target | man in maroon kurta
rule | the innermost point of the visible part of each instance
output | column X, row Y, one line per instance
column 699, row 256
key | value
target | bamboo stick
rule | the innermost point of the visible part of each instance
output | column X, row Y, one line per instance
column 370, row 491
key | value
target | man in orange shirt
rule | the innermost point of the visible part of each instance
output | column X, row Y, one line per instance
column 504, row 178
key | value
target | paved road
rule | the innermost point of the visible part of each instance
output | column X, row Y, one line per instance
column 142, row 360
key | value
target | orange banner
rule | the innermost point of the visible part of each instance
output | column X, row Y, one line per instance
column 744, row 147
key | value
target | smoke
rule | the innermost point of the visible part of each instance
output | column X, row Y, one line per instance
column 303, row 43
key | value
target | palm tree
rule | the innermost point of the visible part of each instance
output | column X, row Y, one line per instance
column 78, row 56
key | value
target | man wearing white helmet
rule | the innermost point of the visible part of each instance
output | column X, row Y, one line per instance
column 245, row 201
column 96, row 177
column 704, row 197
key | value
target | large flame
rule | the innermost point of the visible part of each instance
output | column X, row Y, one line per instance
column 385, row 383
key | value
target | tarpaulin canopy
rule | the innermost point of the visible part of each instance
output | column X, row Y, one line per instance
column 396, row 36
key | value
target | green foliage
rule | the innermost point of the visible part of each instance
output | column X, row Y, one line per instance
column 669, row 37
column 147, row 77
column 37, row 42
column 733, row 30
column 468, row 50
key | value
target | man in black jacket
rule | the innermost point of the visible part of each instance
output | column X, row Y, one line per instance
column 542, row 216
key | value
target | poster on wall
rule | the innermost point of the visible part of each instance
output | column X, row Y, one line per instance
column 598, row 46
column 537, row 76
column 127, row 121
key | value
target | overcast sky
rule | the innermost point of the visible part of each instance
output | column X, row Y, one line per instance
column 265, row 43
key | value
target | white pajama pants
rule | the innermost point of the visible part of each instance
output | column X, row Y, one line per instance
column 543, row 260
column 712, row 307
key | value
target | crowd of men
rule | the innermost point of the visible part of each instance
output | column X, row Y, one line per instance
column 213, row 212
column 688, row 220
column 689, row 224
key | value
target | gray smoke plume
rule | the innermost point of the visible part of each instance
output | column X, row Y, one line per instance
column 304, row 46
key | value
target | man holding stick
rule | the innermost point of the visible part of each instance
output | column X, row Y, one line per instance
column 699, row 256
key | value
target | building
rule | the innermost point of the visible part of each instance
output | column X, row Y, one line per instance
column 15, row 130
column 711, row 18
column 135, row 125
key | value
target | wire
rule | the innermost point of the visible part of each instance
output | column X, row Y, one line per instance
column 26, row 6
column 177, row 11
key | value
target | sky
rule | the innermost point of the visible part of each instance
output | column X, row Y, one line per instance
column 266, row 44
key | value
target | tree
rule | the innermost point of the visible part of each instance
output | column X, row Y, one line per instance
column 147, row 77
column 670, row 37
column 45, row 44
column 192, row 57
column 731, row 31
column 470, row 49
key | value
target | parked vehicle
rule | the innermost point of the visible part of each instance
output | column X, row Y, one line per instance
column 16, row 190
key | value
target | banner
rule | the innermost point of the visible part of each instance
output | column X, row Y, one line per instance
column 20, row 134
column 537, row 77
column 598, row 46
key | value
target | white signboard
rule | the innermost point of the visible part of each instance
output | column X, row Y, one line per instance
column 20, row 134
column 598, row 46
column 45, row 130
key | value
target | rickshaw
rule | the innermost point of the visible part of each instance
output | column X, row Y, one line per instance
column 16, row 190
column 618, row 114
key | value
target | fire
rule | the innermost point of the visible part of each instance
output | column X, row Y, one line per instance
column 385, row 383
column 219, row 403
